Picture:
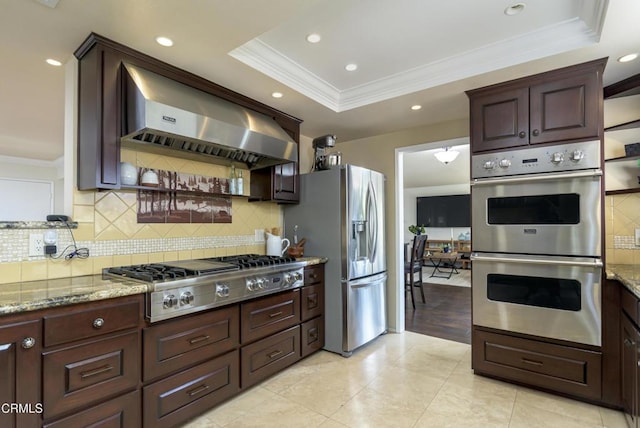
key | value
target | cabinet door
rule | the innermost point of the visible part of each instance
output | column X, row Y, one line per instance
column 629, row 367
column 20, row 345
column 500, row 120
column 565, row 109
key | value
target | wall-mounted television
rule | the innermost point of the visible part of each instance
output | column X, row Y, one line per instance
column 444, row 211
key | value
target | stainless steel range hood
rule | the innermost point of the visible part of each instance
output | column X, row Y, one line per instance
column 161, row 113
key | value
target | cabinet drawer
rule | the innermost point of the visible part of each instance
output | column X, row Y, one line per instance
column 88, row 373
column 121, row 412
column 312, row 299
column 268, row 315
column 177, row 344
column 268, row 356
column 178, row 398
column 92, row 321
column 558, row 368
column 630, row 304
column 312, row 333
column 314, row 275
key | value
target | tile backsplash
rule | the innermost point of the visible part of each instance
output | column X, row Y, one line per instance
column 108, row 227
column 622, row 218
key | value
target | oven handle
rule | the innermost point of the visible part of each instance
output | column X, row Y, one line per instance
column 595, row 263
column 538, row 177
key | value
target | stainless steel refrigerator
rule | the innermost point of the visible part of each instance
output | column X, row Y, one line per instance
column 341, row 215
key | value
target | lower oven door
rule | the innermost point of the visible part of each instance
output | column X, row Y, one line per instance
column 552, row 297
column 553, row 213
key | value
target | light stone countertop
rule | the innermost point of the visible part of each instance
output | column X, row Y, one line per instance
column 628, row 275
column 33, row 295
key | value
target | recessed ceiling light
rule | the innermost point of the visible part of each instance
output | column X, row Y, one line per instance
column 53, row 62
column 276, row 94
column 351, row 67
column 164, row 41
column 313, row 38
column 627, row 58
column 514, row 9
column 416, row 107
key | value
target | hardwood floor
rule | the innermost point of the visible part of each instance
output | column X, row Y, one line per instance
column 446, row 313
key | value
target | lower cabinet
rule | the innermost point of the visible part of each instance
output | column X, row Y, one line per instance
column 312, row 333
column 120, row 412
column 269, row 356
column 179, row 397
column 630, row 357
column 563, row 369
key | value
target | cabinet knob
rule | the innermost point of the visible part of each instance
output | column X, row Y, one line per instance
column 28, row 342
column 628, row 343
column 536, row 132
column 98, row 323
column 522, row 134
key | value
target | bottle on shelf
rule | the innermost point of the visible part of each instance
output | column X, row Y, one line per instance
column 239, row 184
column 232, row 180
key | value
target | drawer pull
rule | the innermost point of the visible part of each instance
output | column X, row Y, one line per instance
column 100, row 370
column 532, row 362
column 313, row 334
column 28, row 342
column 199, row 339
column 275, row 314
column 314, row 276
column 198, row 390
column 628, row 343
column 98, row 323
column 274, row 354
column 312, row 301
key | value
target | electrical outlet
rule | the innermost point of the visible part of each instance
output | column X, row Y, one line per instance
column 259, row 237
column 36, row 245
column 637, row 237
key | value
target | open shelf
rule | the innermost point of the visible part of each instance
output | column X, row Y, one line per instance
column 165, row 190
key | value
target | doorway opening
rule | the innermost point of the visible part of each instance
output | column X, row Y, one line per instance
column 446, row 312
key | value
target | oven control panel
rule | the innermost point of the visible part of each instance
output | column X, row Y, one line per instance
column 536, row 160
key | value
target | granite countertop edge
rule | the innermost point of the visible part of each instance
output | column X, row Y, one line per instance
column 35, row 295
column 627, row 274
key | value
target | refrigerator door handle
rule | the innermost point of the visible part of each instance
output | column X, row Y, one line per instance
column 365, row 282
column 372, row 207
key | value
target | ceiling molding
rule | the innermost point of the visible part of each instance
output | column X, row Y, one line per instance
column 562, row 37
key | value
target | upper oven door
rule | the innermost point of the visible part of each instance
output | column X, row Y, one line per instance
column 553, row 214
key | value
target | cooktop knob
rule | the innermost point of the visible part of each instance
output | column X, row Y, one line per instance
column 261, row 282
column 186, row 298
column 489, row 165
column 222, row 290
column 577, row 155
column 297, row 276
column 252, row 284
column 504, row 163
column 289, row 279
column 169, row 301
column 557, row 157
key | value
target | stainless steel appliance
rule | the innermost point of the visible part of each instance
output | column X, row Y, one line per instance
column 341, row 214
column 537, row 246
column 188, row 286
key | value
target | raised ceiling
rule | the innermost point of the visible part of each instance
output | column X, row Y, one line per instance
column 408, row 52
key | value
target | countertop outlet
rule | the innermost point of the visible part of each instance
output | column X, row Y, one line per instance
column 36, row 244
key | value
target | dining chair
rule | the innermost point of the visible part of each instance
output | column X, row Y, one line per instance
column 413, row 266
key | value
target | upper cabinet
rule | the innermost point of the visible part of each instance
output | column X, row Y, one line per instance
column 560, row 105
column 622, row 127
column 101, row 113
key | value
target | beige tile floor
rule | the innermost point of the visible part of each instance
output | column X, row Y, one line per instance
column 399, row 380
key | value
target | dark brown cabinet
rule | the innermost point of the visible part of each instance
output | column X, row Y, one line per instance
column 20, row 368
column 630, row 357
column 560, row 105
column 100, row 123
column 564, row 369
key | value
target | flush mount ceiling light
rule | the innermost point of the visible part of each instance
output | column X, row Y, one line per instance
column 313, row 38
column 54, row 62
column 627, row 58
column 416, row 107
column 514, row 9
column 351, row 67
column 276, row 94
column 446, row 155
column 164, row 41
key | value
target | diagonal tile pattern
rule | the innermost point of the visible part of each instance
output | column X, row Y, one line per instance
column 399, row 380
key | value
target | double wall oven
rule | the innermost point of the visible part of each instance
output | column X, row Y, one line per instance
column 536, row 256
